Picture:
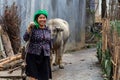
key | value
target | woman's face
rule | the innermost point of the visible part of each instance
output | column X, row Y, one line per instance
column 42, row 20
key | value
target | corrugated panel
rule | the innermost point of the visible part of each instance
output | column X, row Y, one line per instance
column 72, row 11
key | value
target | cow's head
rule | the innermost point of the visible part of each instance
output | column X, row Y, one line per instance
column 55, row 29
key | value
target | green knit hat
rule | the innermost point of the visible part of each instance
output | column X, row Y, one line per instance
column 44, row 12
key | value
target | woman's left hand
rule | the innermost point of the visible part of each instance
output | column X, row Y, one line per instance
column 30, row 27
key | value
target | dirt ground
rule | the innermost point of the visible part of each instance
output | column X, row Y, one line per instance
column 79, row 65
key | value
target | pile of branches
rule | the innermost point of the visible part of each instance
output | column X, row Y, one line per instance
column 10, row 38
column 10, row 22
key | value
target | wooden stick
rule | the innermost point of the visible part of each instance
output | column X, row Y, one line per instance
column 10, row 60
column 16, row 68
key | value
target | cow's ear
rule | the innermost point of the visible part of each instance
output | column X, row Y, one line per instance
column 59, row 29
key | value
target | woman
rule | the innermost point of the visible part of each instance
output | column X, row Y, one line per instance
column 38, row 51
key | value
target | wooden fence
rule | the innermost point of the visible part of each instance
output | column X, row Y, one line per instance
column 111, row 41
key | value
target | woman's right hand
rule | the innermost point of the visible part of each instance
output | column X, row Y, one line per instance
column 30, row 27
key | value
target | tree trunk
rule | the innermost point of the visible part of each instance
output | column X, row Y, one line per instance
column 7, row 44
column 2, row 51
column 104, row 9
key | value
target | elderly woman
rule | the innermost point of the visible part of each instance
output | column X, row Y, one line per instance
column 38, row 50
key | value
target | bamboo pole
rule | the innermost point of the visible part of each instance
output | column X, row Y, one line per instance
column 116, row 62
column 105, row 28
column 118, row 70
column 113, row 56
column 116, row 56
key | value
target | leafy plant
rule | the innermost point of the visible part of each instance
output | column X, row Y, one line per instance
column 99, row 51
column 107, row 64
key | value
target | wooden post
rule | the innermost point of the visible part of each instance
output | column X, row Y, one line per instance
column 116, row 55
column 105, row 27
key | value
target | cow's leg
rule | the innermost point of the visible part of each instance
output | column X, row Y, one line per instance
column 51, row 57
column 60, row 61
column 61, row 66
column 60, row 55
column 56, row 58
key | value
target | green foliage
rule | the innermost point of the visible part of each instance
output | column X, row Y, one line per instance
column 107, row 64
column 99, row 51
column 116, row 26
column 108, row 68
column 105, row 60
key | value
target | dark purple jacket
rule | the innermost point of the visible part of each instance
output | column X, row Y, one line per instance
column 40, row 39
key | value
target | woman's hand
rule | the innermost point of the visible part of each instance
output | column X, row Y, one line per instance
column 30, row 27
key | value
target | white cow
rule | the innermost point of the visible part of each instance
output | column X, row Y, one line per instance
column 60, row 34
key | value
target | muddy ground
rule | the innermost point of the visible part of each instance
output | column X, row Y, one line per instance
column 79, row 65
